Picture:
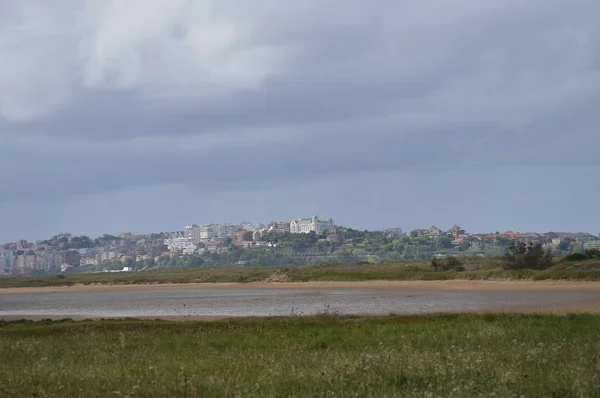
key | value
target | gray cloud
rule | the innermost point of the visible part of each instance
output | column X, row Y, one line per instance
column 99, row 97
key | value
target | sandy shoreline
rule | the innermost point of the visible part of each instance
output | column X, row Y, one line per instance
column 448, row 285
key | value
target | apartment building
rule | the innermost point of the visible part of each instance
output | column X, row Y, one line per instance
column 279, row 227
column 592, row 245
column 194, row 232
column 185, row 245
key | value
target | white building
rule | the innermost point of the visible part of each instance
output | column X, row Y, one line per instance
column 591, row 245
column 214, row 231
column 227, row 230
column 306, row 225
column 207, row 232
column 251, row 226
column 184, row 245
column 108, row 256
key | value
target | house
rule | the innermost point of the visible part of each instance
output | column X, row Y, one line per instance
column 528, row 237
column 456, row 231
column 243, row 238
column 433, row 232
column 214, row 246
column 580, row 236
column 280, row 227
column 458, row 242
column 89, row 261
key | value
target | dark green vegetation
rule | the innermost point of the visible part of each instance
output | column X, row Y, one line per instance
column 463, row 268
column 587, row 255
column 325, row 355
column 521, row 255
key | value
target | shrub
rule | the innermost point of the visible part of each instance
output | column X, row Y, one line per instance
column 450, row 263
column 576, row 257
column 588, row 255
column 592, row 253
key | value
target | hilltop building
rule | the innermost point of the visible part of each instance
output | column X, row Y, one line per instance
column 455, row 231
column 307, row 225
column 433, row 232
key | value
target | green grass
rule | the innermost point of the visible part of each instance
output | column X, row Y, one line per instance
column 476, row 268
column 327, row 355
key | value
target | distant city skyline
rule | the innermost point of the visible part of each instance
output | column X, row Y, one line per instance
column 181, row 227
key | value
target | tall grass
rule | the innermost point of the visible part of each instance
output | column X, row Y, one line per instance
column 475, row 268
column 499, row 355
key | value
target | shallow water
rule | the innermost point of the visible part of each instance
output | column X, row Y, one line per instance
column 266, row 302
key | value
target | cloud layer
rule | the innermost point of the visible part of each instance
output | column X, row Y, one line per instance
column 235, row 100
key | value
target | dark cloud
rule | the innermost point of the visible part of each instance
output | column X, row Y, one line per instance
column 253, row 99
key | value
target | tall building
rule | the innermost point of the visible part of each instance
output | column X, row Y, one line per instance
column 227, row 230
column 25, row 262
column 207, row 232
column 6, row 260
column 307, row 225
column 194, row 232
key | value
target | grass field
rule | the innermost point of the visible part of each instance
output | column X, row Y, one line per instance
column 476, row 268
column 498, row 355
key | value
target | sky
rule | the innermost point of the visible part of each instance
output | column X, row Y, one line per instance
column 141, row 116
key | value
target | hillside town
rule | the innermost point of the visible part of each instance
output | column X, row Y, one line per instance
column 292, row 242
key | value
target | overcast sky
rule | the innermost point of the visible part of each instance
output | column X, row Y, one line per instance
column 148, row 115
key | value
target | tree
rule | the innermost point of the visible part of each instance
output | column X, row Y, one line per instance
column 564, row 246
column 521, row 255
column 592, row 253
column 444, row 242
column 501, row 240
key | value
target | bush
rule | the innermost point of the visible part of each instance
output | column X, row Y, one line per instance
column 588, row 255
column 576, row 257
column 521, row 255
column 592, row 253
column 450, row 263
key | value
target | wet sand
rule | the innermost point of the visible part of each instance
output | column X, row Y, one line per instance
column 217, row 301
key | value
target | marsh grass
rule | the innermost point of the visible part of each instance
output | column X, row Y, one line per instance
column 475, row 269
column 499, row 355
